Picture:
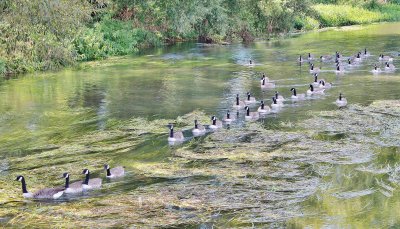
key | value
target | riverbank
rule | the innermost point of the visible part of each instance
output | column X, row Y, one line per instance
column 99, row 31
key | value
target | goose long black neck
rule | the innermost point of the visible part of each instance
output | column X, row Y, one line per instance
column 195, row 124
column 24, row 190
column 340, row 96
column 248, row 96
column 315, row 78
column 262, row 105
column 276, row 95
column 263, row 81
column 311, row 87
column 228, row 115
column 247, row 112
column 214, row 121
column 349, row 61
column 86, row 179
column 108, row 172
column 237, row 100
column 338, row 68
column 171, row 132
column 67, row 182
column 294, row 92
column 365, row 51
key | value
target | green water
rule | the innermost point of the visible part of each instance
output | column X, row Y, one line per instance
column 43, row 110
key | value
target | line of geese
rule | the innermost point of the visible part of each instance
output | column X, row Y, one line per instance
column 76, row 187
column 317, row 87
column 352, row 61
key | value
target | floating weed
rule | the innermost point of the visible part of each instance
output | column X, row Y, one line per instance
column 238, row 176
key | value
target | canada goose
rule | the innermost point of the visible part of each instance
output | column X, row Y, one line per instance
column 250, row 99
column 198, row 128
column 338, row 55
column 366, row 53
column 215, row 124
column 279, row 98
column 324, row 85
column 326, row 58
column 92, row 183
column 265, row 82
column 376, row 70
column 275, row 105
column 74, row 187
column 315, row 83
column 314, row 69
column 341, row 101
column 310, row 57
column 251, row 115
column 229, row 118
column 339, row 69
column 238, row 103
column 312, row 91
column 357, row 57
column 301, row 59
column 389, row 67
column 175, row 135
column 349, row 63
column 46, row 193
column 296, row 96
column 115, row 172
column 264, row 108
column 385, row 58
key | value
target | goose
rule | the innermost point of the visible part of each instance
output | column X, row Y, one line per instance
column 265, row 82
column 312, row 91
column 115, row 172
column 341, row 101
column 339, row 69
column 263, row 108
column 385, row 58
column 326, row 58
column 46, row 193
column 314, row 69
column 338, row 55
column 275, row 105
column 324, row 85
column 296, row 96
column 376, row 70
column 198, row 128
column 349, row 63
column 279, row 98
column 366, row 53
column 238, row 103
column 310, row 57
column 74, row 187
column 251, row 115
column 215, row 123
column 175, row 136
column 315, row 83
column 301, row 60
column 92, row 183
column 389, row 67
column 228, row 118
column 250, row 99
column 357, row 57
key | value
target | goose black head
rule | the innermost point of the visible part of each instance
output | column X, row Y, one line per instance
column 274, row 100
column 106, row 166
column 311, row 87
column 20, row 178
column 65, row 175
column 348, row 61
column 340, row 96
column 322, row 82
column 262, row 104
column 85, row 171
column 315, row 77
column 294, row 91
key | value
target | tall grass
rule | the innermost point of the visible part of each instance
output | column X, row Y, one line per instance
column 341, row 15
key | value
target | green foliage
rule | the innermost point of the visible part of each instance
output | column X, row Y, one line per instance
column 340, row 15
column 391, row 12
column 112, row 37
